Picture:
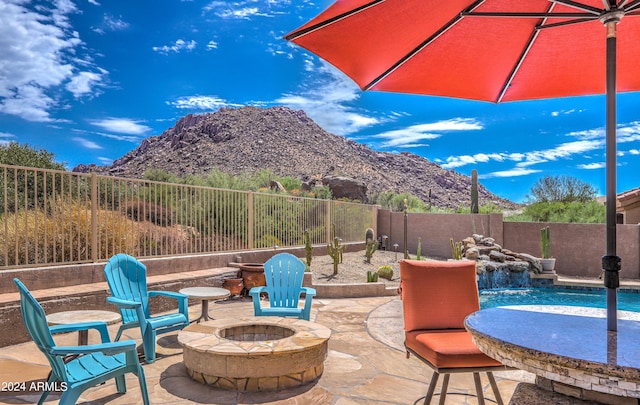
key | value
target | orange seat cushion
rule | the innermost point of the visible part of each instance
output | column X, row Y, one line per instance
column 448, row 349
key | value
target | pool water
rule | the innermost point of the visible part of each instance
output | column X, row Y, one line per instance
column 556, row 296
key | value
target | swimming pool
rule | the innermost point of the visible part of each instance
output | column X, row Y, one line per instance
column 556, row 296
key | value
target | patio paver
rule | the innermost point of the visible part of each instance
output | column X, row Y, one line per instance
column 365, row 364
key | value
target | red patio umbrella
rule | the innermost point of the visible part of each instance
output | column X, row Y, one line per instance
column 490, row 50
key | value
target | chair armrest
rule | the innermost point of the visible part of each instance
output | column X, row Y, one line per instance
column 124, row 304
column 309, row 292
column 110, row 348
column 255, row 291
column 169, row 294
column 101, row 327
column 183, row 300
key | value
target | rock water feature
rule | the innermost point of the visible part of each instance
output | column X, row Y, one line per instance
column 498, row 267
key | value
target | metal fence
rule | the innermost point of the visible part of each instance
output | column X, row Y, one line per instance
column 51, row 217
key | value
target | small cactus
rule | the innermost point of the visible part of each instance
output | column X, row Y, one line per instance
column 385, row 272
column 371, row 247
column 372, row 276
column 456, row 249
column 545, row 242
column 334, row 250
column 419, row 249
column 308, row 249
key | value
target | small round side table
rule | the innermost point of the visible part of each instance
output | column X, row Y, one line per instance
column 206, row 294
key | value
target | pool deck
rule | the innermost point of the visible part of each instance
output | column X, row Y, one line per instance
column 593, row 283
column 366, row 364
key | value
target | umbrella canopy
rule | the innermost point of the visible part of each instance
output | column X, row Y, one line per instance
column 493, row 50
column 490, row 50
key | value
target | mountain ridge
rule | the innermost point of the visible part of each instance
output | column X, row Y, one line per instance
column 288, row 142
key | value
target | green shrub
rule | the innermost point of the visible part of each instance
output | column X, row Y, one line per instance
column 590, row 212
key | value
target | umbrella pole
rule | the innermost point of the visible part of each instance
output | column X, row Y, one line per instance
column 611, row 262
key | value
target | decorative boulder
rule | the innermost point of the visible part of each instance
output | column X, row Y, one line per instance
column 472, row 253
column 497, row 256
column 346, row 187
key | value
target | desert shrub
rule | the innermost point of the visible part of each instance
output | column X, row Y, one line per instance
column 62, row 235
column 489, row 208
column 587, row 213
column 395, row 202
column 561, row 188
column 144, row 211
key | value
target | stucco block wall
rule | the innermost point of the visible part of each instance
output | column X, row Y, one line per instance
column 436, row 230
column 578, row 248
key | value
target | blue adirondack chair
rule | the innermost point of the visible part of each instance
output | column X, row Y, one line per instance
column 89, row 365
column 127, row 279
column 284, row 273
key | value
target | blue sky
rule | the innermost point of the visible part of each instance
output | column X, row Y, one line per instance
column 89, row 79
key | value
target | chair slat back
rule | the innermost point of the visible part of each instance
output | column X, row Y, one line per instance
column 284, row 274
column 127, row 279
column 35, row 321
column 438, row 294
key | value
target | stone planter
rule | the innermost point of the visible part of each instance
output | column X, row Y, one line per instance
column 548, row 265
column 253, row 275
column 234, row 285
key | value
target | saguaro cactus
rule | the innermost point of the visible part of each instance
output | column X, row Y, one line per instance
column 307, row 247
column 371, row 245
column 334, row 250
column 474, row 191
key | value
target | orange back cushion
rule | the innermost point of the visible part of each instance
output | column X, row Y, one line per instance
column 438, row 294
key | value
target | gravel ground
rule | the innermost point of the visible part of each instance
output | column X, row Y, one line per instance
column 353, row 268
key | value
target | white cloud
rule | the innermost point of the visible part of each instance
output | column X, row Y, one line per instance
column 105, row 160
column 591, row 166
column 515, row 172
column 111, row 23
column 245, row 9
column 328, row 102
column 565, row 112
column 6, row 138
column 87, row 143
column 212, row 45
column 94, row 2
column 236, row 10
column 524, row 159
column 178, row 46
column 201, row 103
column 587, row 141
column 245, row 12
column 85, row 83
column 38, row 54
column 412, row 135
column 121, row 126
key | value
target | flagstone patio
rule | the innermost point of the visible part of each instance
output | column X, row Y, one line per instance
column 366, row 364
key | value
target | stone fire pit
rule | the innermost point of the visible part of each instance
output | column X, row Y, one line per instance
column 265, row 353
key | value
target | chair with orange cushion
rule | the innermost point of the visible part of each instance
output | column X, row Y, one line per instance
column 436, row 298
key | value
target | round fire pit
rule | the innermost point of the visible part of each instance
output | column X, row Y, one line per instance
column 265, row 353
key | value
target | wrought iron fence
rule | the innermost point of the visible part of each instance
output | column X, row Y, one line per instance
column 51, row 217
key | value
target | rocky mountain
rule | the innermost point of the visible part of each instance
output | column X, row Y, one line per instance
column 289, row 143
